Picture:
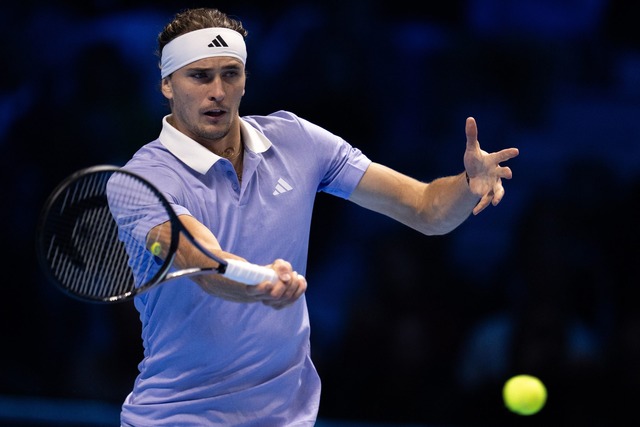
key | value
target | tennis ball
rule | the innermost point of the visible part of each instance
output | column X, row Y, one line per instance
column 524, row 394
column 156, row 248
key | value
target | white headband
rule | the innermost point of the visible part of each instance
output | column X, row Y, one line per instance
column 199, row 44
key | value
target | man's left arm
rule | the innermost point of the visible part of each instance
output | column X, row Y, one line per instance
column 441, row 205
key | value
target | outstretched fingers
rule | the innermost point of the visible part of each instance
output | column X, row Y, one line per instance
column 484, row 168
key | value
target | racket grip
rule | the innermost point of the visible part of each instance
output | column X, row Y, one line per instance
column 247, row 273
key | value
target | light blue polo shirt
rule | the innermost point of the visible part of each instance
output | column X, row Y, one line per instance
column 208, row 361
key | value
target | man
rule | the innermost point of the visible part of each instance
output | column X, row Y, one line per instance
column 217, row 352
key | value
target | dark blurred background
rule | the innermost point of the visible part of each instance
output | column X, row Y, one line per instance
column 406, row 329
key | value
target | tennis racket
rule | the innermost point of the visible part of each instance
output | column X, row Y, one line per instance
column 94, row 242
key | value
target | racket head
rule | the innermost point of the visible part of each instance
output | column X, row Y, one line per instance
column 90, row 255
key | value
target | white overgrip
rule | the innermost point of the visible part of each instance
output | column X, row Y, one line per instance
column 247, row 273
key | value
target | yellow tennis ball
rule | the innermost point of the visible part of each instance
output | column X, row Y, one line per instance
column 524, row 394
column 156, row 248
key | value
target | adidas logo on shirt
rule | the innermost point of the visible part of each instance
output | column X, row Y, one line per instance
column 282, row 187
column 218, row 42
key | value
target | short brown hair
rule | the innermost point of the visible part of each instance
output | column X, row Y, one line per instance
column 196, row 19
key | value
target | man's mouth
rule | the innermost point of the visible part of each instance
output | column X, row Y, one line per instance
column 214, row 113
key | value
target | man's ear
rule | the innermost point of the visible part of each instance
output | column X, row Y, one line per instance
column 165, row 87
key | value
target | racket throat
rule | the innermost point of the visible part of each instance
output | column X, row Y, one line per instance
column 195, row 271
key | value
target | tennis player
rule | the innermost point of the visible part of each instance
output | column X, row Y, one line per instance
column 217, row 352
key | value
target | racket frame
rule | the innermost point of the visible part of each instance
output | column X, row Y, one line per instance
column 162, row 275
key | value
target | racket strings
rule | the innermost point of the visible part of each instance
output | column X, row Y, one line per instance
column 87, row 251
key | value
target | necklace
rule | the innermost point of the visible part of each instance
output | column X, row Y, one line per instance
column 229, row 153
column 237, row 165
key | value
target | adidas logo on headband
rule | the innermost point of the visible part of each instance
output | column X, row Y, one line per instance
column 197, row 44
column 218, row 42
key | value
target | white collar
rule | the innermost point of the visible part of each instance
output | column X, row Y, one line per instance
column 197, row 156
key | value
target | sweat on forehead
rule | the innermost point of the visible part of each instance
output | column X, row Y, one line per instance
column 200, row 44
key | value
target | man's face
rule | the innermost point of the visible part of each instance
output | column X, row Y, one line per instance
column 205, row 97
